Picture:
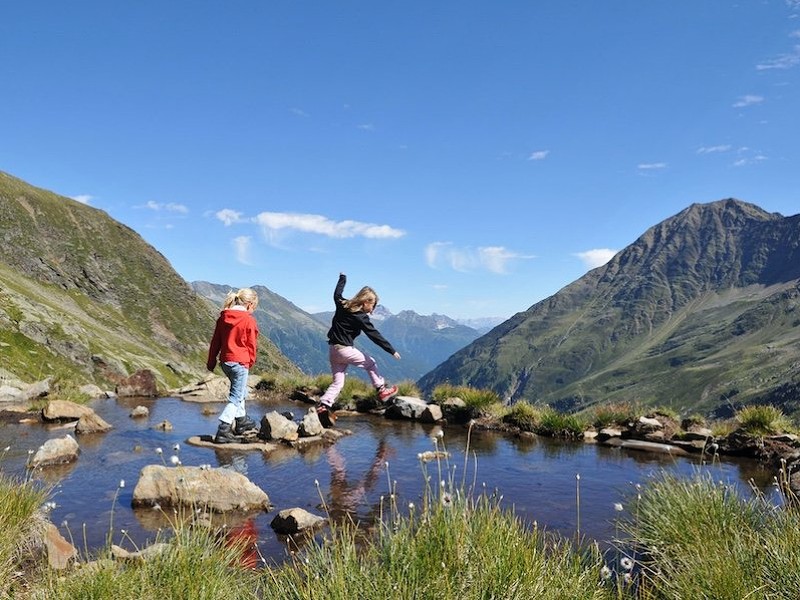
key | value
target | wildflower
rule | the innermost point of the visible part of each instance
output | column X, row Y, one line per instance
column 156, row 506
column 618, row 507
column 316, row 483
column 626, row 563
column 30, row 451
column 123, row 531
column 410, row 506
column 122, row 483
column 447, row 500
column 174, row 460
column 159, row 451
column 7, row 448
column 578, row 476
column 627, row 577
column 442, row 483
column 440, row 434
column 177, row 447
column 48, row 506
column 605, row 572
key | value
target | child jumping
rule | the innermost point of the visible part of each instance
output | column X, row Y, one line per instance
column 350, row 319
column 235, row 342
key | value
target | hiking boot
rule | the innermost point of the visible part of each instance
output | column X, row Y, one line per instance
column 326, row 416
column 387, row 393
column 243, row 425
column 225, row 434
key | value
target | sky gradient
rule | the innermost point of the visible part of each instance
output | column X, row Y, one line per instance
column 463, row 158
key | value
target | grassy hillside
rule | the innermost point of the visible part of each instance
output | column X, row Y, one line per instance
column 86, row 298
column 701, row 313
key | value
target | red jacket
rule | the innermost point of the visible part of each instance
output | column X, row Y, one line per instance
column 235, row 339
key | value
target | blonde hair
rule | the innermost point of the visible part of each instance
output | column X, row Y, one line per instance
column 243, row 297
column 356, row 303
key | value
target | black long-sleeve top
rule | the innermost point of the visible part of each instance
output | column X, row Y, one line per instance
column 346, row 325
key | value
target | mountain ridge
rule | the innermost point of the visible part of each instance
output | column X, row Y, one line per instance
column 676, row 296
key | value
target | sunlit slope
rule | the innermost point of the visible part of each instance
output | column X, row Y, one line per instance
column 85, row 297
column 702, row 311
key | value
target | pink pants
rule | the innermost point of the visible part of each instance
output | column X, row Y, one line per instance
column 342, row 357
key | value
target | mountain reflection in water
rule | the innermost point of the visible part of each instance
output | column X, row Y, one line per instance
column 352, row 479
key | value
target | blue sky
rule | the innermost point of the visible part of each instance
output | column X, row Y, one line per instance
column 463, row 158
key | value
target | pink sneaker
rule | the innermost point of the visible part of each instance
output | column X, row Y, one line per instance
column 387, row 393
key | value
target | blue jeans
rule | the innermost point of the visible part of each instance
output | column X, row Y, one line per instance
column 237, row 374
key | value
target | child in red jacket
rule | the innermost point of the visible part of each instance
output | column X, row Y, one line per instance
column 234, row 343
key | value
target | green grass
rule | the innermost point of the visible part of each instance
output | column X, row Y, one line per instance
column 699, row 539
column 21, row 522
column 763, row 420
column 196, row 564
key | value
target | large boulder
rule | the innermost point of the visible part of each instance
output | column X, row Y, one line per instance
column 141, row 383
column 64, row 410
column 217, row 490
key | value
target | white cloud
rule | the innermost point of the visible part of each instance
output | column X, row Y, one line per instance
column 273, row 221
column 748, row 100
column 242, row 245
column 784, row 61
column 494, row 259
column 82, row 198
column 366, row 127
column 651, row 166
column 596, row 257
column 298, row 112
column 539, row 155
column 714, row 149
column 169, row 207
column 228, row 216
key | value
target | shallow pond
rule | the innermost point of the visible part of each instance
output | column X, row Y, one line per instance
column 566, row 487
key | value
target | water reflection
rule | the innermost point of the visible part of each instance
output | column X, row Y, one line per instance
column 348, row 493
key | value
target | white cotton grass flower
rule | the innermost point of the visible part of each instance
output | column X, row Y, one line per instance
column 159, row 451
column 174, row 460
column 177, row 447
column 626, row 563
column 440, row 434
column 7, row 448
column 605, row 572
column 122, row 483
column 618, row 507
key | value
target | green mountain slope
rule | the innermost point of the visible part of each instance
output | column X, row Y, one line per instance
column 700, row 313
column 85, row 298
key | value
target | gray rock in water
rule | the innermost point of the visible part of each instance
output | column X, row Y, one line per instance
column 294, row 520
column 216, row 490
column 58, row 451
